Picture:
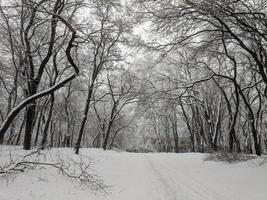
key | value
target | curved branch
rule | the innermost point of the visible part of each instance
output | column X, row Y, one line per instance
column 14, row 112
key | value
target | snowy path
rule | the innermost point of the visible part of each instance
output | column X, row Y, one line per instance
column 146, row 177
column 178, row 182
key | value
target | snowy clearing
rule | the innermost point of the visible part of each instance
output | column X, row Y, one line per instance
column 153, row 176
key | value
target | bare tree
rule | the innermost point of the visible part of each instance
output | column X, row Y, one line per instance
column 29, row 64
column 103, row 43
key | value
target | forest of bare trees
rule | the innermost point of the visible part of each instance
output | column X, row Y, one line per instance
column 170, row 76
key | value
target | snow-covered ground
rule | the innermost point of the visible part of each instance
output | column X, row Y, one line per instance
column 154, row 176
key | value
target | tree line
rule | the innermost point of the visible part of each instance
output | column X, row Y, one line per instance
column 76, row 74
column 212, row 56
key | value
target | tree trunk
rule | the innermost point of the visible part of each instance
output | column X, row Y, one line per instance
column 20, row 131
column 176, row 141
column 115, row 135
column 39, row 122
column 84, row 119
column 30, row 115
column 45, row 132
column 111, row 120
column 107, row 134
column 9, row 104
column 217, row 126
column 189, row 128
column 27, row 103
column 251, row 120
column 175, row 132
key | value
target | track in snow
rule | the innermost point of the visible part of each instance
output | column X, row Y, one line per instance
column 157, row 176
column 162, row 176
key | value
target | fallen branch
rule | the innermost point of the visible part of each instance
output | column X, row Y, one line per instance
column 77, row 170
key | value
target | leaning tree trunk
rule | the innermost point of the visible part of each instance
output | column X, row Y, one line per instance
column 39, row 120
column 115, row 136
column 251, row 120
column 45, row 132
column 84, row 119
column 111, row 120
